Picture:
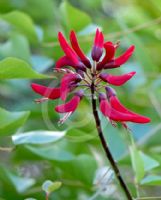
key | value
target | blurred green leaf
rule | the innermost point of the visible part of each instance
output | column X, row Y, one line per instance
column 37, row 137
column 22, row 22
column 21, row 184
column 149, row 163
column 53, row 152
column 71, row 17
column 13, row 68
column 76, row 135
column 137, row 162
column 151, row 180
column 49, row 186
column 17, row 46
column 11, row 121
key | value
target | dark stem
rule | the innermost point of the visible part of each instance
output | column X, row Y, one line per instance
column 105, row 147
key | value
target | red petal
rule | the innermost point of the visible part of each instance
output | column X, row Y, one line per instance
column 51, row 93
column 96, row 37
column 98, row 45
column 110, row 51
column 116, row 104
column 76, row 47
column 69, row 106
column 65, row 83
column 124, row 57
column 101, row 40
column 63, row 61
column 117, row 80
column 113, row 114
column 63, row 43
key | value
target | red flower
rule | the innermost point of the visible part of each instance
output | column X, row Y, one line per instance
column 116, row 112
column 111, row 63
column 69, row 107
column 89, row 75
column 75, row 45
column 116, row 80
column 67, row 82
column 97, row 49
column 71, row 56
column 46, row 92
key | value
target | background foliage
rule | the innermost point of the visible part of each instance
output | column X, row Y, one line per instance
column 33, row 148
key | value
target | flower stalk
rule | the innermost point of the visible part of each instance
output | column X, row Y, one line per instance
column 105, row 146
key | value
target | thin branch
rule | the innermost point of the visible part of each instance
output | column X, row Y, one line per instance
column 106, row 148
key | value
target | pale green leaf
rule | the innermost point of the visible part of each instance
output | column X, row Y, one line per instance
column 53, row 152
column 21, row 184
column 137, row 162
column 37, row 137
column 11, row 121
column 13, row 68
column 151, row 180
column 49, row 186
column 71, row 16
column 149, row 163
column 22, row 22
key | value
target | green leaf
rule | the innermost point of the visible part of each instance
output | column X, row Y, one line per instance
column 53, row 152
column 75, row 135
column 49, row 186
column 22, row 22
column 17, row 46
column 149, row 163
column 71, row 16
column 151, row 180
column 13, row 68
column 137, row 162
column 30, row 199
column 21, row 184
column 37, row 137
column 82, row 168
column 11, row 121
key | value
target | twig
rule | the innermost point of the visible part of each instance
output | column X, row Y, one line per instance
column 105, row 147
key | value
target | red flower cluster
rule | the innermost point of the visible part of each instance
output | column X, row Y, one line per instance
column 89, row 75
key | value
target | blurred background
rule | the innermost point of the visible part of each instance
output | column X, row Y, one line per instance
column 29, row 153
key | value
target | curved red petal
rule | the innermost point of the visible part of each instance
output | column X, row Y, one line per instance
column 116, row 115
column 76, row 47
column 63, row 61
column 101, row 40
column 112, row 114
column 124, row 57
column 116, row 104
column 117, row 80
column 51, row 93
column 63, row 42
column 96, row 37
column 110, row 52
column 70, row 106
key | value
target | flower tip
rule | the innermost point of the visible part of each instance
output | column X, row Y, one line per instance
column 132, row 48
column 110, row 91
column 34, row 86
column 102, row 96
column 132, row 73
